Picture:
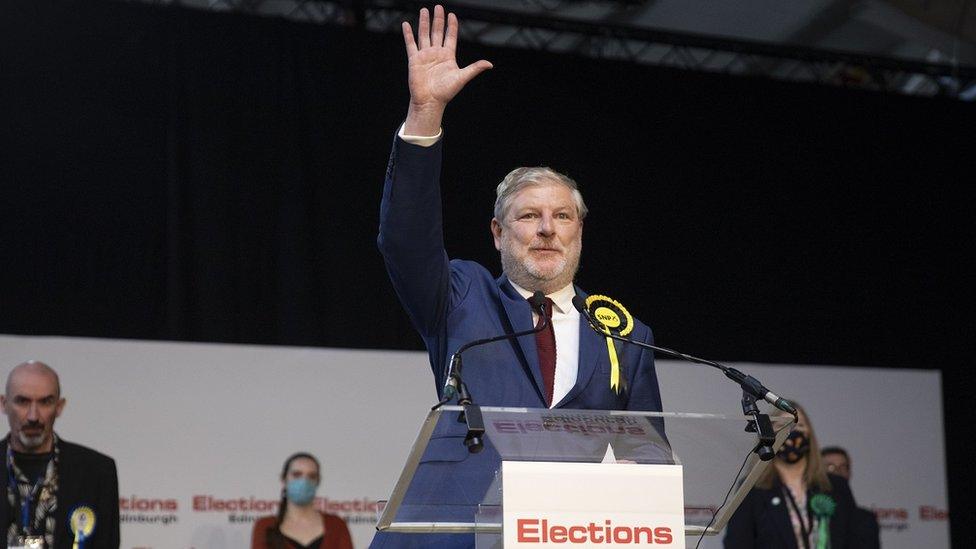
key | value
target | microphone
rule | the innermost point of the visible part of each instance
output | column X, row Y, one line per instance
column 748, row 383
column 453, row 386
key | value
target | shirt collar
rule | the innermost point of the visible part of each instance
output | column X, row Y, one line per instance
column 562, row 299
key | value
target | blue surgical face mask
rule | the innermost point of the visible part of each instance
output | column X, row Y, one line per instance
column 300, row 491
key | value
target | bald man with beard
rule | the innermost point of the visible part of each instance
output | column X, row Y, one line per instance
column 57, row 493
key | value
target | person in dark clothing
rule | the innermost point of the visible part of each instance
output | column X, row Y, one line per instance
column 796, row 504
column 58, row 494
column 838, row 462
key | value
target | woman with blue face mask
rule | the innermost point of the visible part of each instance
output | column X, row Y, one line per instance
column 299, row 525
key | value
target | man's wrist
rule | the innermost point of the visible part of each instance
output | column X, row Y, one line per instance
column 424, row 120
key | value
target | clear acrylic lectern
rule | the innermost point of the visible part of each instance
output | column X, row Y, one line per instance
column 444, row 488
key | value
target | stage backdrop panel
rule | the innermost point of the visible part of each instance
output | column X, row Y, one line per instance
column 199, row 431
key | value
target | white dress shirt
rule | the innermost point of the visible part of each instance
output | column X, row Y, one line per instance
column 565, row 324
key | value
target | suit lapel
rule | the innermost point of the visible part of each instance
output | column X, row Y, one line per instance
column 780, row 514
column 520, row 319
column 589, row 355
column 590, row 344
column 67, row 485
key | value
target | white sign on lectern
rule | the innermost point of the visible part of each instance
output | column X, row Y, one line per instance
column 547, row 504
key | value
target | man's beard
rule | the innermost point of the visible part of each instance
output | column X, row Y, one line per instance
column 30, row 442
column 527, row 274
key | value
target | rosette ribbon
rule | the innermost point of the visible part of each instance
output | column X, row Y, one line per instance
column 614, row 319
column 823, row 506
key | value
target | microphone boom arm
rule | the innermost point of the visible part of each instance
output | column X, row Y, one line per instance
column 748, row 383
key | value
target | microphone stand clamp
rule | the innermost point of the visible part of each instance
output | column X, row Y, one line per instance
column 475, row 438
column 761, row 425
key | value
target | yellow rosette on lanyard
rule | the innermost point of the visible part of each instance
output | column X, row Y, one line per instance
column 613, row 318
column 82, row 522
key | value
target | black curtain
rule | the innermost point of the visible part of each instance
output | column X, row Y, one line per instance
column 186, row 175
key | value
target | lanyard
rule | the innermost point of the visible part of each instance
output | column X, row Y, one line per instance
column 14, row 487
column 794, row 508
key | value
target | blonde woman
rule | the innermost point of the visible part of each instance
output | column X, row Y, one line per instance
column 796, row 504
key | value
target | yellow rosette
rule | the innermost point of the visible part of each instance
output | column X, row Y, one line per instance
column 613, row 318
column 82, row 522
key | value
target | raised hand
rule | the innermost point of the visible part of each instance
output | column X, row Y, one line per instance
column 434, row 76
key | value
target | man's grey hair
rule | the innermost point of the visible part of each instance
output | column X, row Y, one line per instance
column 520, row 178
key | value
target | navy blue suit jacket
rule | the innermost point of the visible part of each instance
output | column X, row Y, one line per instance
column 452, row 302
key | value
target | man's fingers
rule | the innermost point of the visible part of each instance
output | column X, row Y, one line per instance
column 423, row 29
column 437, row 36
column 474, row 69
column 408, row 39
column 450, row 40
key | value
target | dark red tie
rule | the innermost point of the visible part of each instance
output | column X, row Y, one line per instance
column 545, row 342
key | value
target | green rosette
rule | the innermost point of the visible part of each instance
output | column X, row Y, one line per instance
column 823, row 506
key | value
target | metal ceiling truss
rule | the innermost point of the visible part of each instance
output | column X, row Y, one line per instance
column 543, row 30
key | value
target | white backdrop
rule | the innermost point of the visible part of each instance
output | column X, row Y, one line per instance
column 200, row 431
